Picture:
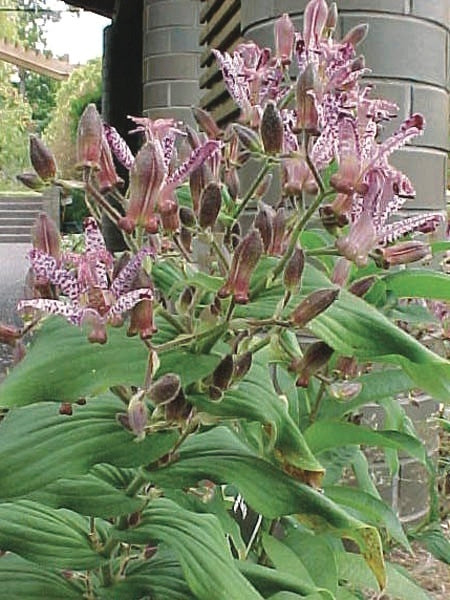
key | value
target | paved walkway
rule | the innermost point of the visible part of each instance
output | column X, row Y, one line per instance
column 13, row 268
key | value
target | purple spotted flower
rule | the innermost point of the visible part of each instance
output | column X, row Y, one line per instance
column 90, row 294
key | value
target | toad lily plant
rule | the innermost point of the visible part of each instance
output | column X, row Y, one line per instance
column 198, row 451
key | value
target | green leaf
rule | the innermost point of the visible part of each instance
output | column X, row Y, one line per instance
column 353, row 569
column 271, row 581
column 434, row 540
column 370, row 509
column 200, row 546
column 161, row 578
column 437, row 247
column 419, row 283
column 38, row 445
column 22, row 579
column 61, row 365
column 316, row 554
column 239, row 402
column 45, row 536
column 325, row 435
column 218, row 455
column 87, row 495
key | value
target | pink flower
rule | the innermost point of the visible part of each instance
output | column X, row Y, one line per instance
column 84, row 281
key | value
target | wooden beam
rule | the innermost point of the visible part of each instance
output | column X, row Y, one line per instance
column 37, row 62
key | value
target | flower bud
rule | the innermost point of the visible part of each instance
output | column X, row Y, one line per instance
column 96, row 326
column 332, row 18
column 345, row 390
column 210, row 203
column 168, row 211
column 356, row 35
column 184, row 302
column 262, row 188
column 223, row 372
column 248, row 138
column 307, row 115
column 341, row 271
column 45, row 236
column 178, row 409
column 347, row 366
column 186, row 239
column 137, row 415
column 187, row 217
column 165, row 390
column 284, row 38
column 316, row 356
column 89, row 138
column 271, row 129
column 9, row 334
column 107, row 176
column 232, row 181
column 141, row 320
column 403, row 253
column 360, row 287
column 207, row 123
column 246, row 257
column 314, row 304
column 293, row 271
column 264, row 224
column 279, row 228
column 42, row 159
column 242, row 365
column 31, row 180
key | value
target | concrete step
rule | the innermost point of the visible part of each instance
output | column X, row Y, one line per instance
column 35, row 206
column 13, row 220
column 13, row 229
column 19, row 214
column 9, row 238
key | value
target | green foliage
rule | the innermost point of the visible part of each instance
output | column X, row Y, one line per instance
column 205, row 458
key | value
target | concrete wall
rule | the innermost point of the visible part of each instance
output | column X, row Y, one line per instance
column 171, row 58
column 408, row 50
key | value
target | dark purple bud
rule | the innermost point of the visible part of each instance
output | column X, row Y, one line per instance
column 187, row 217
column 215, row 393
column 314, row 304
column 242, row 365
column 356, row 35
column 271, row 129
column 347, row 366
column 207, row 123
column 89, row 138
column 186, row 239
column 141, row 320
column 360, row 287
column 403, row 253
column 168, row 211
column 248, row 138
column 307, row 115
column 210, row 203
column 179, row 409
column 149, row 552
column 198, row 180
column 279, row 228
column 294, row 270
column 107, row 176
column 223, row 372
column 315, row 358
column 137, row 415
column 45, row 236
column 134, row 519
column 232, row 181
column 31, row 180
column 262, row 188
column 264, row 224
column 42, row 159
column 165, row 390
column 246, row 257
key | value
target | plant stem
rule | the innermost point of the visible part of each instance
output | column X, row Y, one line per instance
column 252, row 189
column 323, row 251
column 165, row 314
column 220, row 255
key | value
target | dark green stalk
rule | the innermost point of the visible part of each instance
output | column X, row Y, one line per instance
column 252, row 189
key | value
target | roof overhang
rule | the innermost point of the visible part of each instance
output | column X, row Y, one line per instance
column 101, row 7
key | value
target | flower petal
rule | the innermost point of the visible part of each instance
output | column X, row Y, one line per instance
column 197, row 158
column 124, row 280
column 128, row 300
column 52, row 307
